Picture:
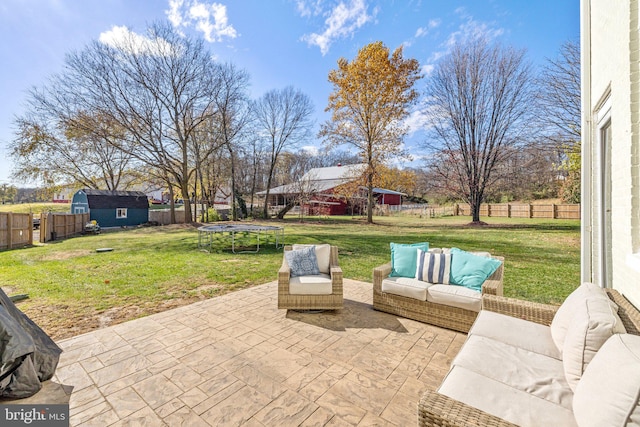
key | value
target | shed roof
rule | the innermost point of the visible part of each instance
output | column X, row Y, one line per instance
column 112, row 199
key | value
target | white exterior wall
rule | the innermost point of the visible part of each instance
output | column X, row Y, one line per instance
column 610, row 57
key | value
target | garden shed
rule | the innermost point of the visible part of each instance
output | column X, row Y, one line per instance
column 112, row 208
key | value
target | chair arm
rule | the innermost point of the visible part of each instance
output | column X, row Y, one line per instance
column 494, row 283
column 435, row 409
column 492, row 287
column 527, row 310
column 379, row 274
column 336, row 273
column 284, row 275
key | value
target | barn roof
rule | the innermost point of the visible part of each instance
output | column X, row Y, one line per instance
column 321, row 179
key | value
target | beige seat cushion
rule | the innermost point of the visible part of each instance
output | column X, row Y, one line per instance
column 523, row 370
column 594, row 322
column 566, row 311
column 501, row 400
column 311, row 285
column 519, row 333
column 608, row 393
column 323, row 254
column 455, row 296
column 406, row 287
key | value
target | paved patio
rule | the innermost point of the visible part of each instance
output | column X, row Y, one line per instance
column 238, row 360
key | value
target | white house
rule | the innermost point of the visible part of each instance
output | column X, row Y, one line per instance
column 610, row 48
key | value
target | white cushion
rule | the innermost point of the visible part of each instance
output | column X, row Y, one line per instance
column 594, row 322
column 323, row 254
column 311, row 285
column 519, row 333
column 503, row 401
column 455, row 296
column 530, row 372
column 609, row 391
column 406, row 287
column 566, row 311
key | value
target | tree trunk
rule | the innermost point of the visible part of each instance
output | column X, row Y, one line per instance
column 286, row 209
column 370, row 197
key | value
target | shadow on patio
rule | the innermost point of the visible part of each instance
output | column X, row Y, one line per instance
column 238, row 360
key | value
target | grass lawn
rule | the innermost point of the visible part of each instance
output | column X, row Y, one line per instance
column 36, row 208
column 74, row 289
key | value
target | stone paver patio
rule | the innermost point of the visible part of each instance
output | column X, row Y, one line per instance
column 238, row 360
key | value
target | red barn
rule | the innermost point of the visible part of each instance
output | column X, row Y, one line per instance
column 319, row 191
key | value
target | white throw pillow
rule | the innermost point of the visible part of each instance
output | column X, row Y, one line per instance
column 565, row 313
column 609, row 392
column 433, row 267
column 593, row 324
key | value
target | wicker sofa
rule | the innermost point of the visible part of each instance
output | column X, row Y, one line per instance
column 605, row 391
column 435, row 313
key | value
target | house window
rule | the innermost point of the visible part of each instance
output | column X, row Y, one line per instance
column 121, row 213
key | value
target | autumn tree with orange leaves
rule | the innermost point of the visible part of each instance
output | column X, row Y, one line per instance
column 370, row 99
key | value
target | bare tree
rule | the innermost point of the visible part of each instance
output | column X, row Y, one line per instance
column 370, row 100
column 51, row 149
column 559, row 96
column 479, row 98
column 559, row 114
column 283, row 119
column 158, row 88
column 232, row 118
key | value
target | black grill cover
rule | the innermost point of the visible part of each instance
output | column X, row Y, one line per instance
column 28, row 355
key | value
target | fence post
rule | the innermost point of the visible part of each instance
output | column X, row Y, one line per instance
column 554, row 211
column 530, row 211
column 508, row 210
column 30, row 228
column 10, row 230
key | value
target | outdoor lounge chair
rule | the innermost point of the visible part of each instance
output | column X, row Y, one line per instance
column 321, row 291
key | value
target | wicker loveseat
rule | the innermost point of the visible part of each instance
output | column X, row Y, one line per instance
column 435, row 313
column 529, row 381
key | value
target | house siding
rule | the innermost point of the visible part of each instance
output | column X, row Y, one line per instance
column 612, row 55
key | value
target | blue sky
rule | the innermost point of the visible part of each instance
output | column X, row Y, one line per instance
column 279, row 42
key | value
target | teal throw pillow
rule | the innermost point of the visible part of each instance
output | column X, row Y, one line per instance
column 471, row 270
column 302, row 262
column 404, row 258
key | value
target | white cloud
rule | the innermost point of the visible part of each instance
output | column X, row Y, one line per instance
column 124, row 39
column 311, row 150
column 209, row 18
column 472, row 30
column 423, row 31
column 342, row 21
column 468, row 30
column 309, row 7
column 417, row 121
column 427, row 69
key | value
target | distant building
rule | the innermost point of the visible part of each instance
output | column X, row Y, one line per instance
column 112, row 208
column 320, row 185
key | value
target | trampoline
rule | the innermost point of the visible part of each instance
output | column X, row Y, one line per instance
column 207, row 234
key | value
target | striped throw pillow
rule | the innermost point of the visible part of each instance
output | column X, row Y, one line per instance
column 433, row 268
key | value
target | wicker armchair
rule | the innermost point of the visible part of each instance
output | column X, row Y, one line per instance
column 457, row 319
column 333, row 301
column 435, row 409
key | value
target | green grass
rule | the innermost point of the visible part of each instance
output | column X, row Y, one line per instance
column 149, row 269
column 36, row 208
